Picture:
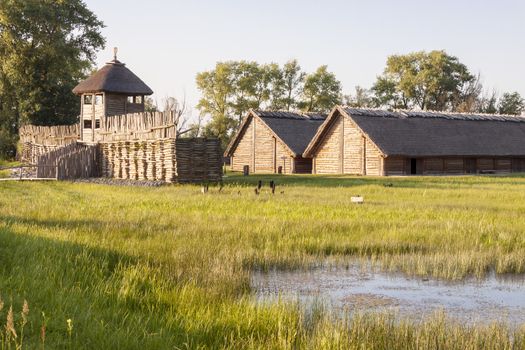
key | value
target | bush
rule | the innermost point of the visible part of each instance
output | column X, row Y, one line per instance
column 7, row 145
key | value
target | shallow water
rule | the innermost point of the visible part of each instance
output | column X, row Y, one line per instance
column 496, row 298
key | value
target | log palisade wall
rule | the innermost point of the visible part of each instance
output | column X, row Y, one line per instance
column 38, row 140
column 345, row 150
column 262, row 152
column 140, row 146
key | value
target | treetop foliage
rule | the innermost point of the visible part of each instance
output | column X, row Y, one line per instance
column 46, row 48
column 232, row 88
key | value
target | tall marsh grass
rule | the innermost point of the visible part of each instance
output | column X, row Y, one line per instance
column 169, row 267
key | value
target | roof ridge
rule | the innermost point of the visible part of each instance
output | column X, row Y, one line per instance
column 289, row 114
column 406, row 113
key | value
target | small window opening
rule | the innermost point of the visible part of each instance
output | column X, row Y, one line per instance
column 88, row 99
column 138, row 99
column 97, row 123
column 87, row 124
column 130, row 99
column 99, row 99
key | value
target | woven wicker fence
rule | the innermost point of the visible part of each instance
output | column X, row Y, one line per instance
column 169, row 160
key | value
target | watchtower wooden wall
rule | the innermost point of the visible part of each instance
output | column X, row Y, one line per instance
column 97, row 107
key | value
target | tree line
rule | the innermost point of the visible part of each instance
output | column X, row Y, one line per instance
column 421, row 80
column 232, row 88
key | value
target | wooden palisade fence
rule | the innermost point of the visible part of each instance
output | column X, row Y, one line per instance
column 141, row 146
column 137, row 126
column 38, row 140
column 70, row 162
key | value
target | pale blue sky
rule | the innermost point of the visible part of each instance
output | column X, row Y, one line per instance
column 167, row 42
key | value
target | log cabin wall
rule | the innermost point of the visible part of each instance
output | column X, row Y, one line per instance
column 243, row 152
column 327, row 159
column 116, row 104
column 259, row 149
column 395, row 166
column 374, row 160
column 303, row 165
column 345, row 150
column 353, row 148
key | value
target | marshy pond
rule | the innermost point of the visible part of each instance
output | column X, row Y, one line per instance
column 345, row 290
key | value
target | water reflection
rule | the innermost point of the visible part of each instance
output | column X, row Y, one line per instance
column 496, row 298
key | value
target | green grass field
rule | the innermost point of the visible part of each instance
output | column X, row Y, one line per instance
column 169, row 267
column 6, row 164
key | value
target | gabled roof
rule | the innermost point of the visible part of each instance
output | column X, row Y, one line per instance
column 417, row 134
column 116, row 78
column 294, row 130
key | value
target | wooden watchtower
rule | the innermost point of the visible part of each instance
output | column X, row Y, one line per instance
column 113, row 90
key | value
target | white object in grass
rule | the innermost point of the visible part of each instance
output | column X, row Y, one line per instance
column 357, row 199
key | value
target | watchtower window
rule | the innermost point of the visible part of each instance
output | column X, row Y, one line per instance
column 130, row 99
column 138, row 99
column 88, row 99
column 88, row 124
column 99, row 99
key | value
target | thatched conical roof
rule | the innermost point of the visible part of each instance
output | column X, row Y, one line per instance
column 114, row 77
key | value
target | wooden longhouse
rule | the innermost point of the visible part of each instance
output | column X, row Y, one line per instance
column 378, row 142
column 112, row 90
column 273, row 142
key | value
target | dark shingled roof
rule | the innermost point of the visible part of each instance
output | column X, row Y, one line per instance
column 293, row 129
column 116, row 78
column 417, row 134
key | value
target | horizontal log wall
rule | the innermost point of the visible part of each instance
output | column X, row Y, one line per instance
column 453, row 165
column 345, row 150
column 374, row 159
column 328, row 155
column 353, row 148
column 262, row 151
column 303, row 165
column 243, row 152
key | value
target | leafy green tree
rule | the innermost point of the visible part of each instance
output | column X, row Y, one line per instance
column 361, row 99
column 232, row 88
column 288, row 87
column 218, row 87
column 321, row 91
column 46, row 47
column 511, row 103
column 428, row 81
